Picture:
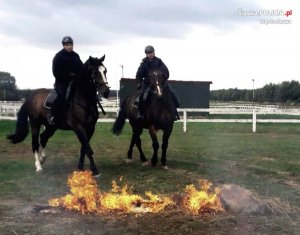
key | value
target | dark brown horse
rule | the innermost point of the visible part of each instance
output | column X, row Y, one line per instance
column 81, row 116
column 158, row 115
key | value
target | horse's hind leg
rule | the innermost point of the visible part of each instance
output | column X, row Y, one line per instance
column 137, row 140
column 130, row 150
column 155, row 145
column 165, row 143
column 35, row 131
column 44, row 137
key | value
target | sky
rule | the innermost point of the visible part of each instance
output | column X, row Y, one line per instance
column 229, row 42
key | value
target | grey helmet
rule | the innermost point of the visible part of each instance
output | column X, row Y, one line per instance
column 149, row 49
column 67, row 39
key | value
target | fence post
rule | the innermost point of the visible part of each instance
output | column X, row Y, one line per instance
column 254, row 121
column 184, row 121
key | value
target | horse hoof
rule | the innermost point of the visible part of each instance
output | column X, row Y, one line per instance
column 165, row 168
column 39, row 170
column 42, row 160
column 97, row 175
column 128, row 160
column 145, row 163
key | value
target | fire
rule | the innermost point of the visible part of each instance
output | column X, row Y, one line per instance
column 201, row 201
column 84, row 196
column 87, row 198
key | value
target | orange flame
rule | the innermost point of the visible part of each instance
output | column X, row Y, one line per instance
column 201, row 201
column 87, row 198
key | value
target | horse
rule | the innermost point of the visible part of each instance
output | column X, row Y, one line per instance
column 158, row 115
column 80, row 115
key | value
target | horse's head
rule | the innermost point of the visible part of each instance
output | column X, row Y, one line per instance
column 98, row 75
column 157, row 81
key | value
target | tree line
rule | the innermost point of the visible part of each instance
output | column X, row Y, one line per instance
column 285, row 92
column 9, row 90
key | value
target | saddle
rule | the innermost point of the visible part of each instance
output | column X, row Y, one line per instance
column 50, row 99
column 137, row 99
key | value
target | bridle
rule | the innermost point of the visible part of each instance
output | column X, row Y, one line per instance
column 97, row 85
column 94, row 74
column 160, row 87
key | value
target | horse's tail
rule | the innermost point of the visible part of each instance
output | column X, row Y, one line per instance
column 22, row 127
column 120, row 121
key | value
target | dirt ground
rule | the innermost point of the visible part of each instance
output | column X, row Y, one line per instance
column 255, row 217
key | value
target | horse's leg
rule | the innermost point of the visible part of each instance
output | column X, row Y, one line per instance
column 84, row 140
column 35, row 131
column 135, row 139
column 44, row 137
column 165, row 143
column 130, row 150
column 80, row 165
column 90, row 132
column 155, row 145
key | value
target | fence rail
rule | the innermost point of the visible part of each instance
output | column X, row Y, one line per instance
column 9, row 110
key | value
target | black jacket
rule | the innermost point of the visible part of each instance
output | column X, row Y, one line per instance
column 65, row 67
column 147, row 65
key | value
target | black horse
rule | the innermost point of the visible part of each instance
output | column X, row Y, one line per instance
column 80, row 116
column 158, row 115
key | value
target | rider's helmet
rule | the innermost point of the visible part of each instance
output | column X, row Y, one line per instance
column 149, row 49
column 66, row 39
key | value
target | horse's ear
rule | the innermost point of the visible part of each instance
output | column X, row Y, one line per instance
column 102, row 58
column 91, row 60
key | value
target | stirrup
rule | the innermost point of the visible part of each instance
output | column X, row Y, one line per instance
column 50, row 119
column 139, row 116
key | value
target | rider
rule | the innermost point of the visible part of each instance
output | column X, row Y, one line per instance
column 151, row 62
column 66, row 67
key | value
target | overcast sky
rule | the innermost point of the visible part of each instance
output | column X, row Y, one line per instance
column 204, row 40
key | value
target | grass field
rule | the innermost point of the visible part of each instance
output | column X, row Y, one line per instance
column 266, row 163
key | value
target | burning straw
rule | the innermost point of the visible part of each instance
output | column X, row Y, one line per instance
column 85, row 197
column 202, row 200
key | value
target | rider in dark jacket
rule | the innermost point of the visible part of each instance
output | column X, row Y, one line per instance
column 149, row 63
column 66, row 67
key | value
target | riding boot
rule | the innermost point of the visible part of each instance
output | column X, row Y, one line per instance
column 177, row 117
column 176, row 102
column 174, row 96
column 69, row 95
column 140, row 107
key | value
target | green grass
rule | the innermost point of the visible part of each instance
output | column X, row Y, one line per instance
column 249, row 116
column 222, row 153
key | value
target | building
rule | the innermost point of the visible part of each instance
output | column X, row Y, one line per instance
column 192, row 94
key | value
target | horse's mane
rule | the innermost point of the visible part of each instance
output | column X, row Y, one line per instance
column 83, row 81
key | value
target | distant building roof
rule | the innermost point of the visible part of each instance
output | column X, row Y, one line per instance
column 174, row 81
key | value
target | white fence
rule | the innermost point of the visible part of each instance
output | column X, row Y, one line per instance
column 9, row 110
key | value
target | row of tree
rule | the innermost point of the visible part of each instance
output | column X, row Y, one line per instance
column 8, row 88
column 288, row 91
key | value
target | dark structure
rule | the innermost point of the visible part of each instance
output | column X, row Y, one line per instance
column 192, row 94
